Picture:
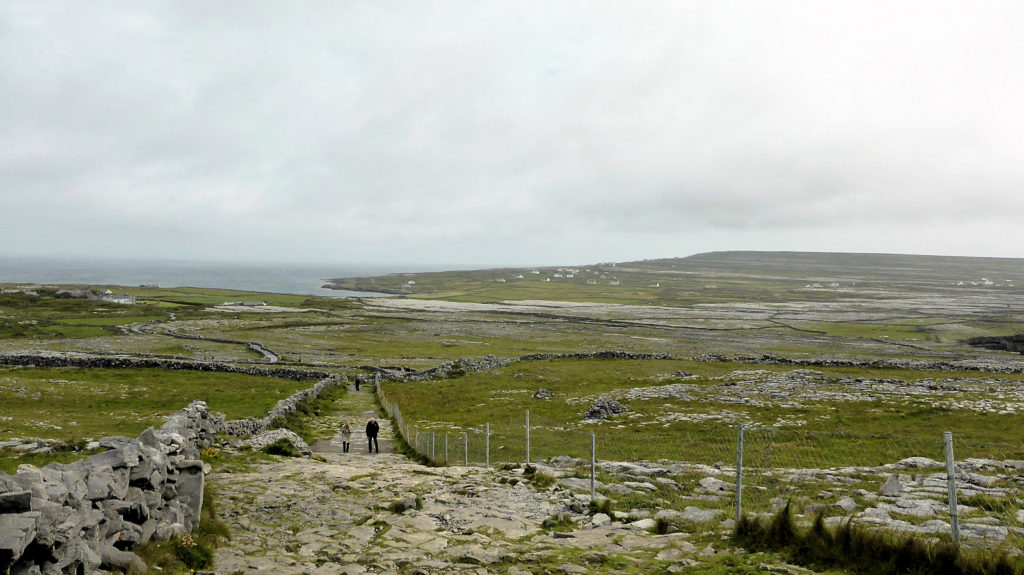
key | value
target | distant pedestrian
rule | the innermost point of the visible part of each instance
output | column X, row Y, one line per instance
column 357, row 384
column 346, row 437
column 372, row 428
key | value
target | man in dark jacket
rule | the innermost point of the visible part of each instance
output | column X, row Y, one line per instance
column 372, row 427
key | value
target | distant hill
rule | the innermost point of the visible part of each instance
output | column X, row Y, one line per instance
column 715, row 277
column 849, row 266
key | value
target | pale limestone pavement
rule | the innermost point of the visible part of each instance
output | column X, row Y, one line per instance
column 346, row 515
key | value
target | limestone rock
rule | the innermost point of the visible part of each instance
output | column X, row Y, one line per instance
column 847, row 504
column 17, row 530
column 644, row 524
column 262, row 440
column 604, row 408
column 715, row 485
column 892, row 487
column 16, row 502
column 698, row 515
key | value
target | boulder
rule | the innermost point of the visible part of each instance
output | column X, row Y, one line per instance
column 543, row 394
column 644, row 524
column 847, row 504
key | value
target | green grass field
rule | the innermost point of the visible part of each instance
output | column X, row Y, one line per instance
column 845, row 427
column 69, row 404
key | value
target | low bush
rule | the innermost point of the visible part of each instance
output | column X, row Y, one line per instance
column 282, row 447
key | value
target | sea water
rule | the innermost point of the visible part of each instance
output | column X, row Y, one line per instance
column 303, row 279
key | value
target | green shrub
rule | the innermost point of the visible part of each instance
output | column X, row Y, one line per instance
column 603, row 505
column 541, row 480
column 282, row 447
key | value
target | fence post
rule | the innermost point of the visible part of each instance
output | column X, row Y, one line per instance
column 446, row 449
column 954, row 519
column 433, row 435
column 739, row 472
column 487, row 445
column 593, row 464
column 527, row 436
column 465, row 446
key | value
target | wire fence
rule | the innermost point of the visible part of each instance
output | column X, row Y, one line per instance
column 935, row 486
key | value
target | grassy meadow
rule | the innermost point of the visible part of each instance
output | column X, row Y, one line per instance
column 69, row 404
column 696, row 406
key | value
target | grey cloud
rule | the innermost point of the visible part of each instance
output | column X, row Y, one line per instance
column 520, row 131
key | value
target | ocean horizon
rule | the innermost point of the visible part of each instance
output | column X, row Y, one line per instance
column 302, row 279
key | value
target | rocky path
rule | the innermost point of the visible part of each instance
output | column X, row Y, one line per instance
column 383, row 513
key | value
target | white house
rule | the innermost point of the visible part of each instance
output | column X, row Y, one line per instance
column 124, row 299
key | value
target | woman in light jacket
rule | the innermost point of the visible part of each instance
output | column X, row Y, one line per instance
column 346, row 437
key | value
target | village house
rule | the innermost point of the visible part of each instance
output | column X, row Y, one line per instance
column 123, row 299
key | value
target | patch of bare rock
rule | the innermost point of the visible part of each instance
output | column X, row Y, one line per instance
column 382, row 513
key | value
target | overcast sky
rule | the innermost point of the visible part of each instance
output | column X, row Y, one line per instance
column 521, row 132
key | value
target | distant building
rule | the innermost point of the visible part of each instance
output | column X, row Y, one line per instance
column 613, row 282
column 123, row 299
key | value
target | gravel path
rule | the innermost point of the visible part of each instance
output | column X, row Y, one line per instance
column 345, row 516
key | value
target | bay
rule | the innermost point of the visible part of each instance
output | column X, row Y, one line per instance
column 303, row 279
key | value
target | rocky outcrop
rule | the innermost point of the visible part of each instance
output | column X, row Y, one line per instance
column 604, row 408
column 87, row 515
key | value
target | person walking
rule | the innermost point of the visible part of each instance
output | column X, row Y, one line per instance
column 346, row 437
column 372, row 428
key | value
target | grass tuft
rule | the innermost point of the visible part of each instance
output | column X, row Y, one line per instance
column 862, row 550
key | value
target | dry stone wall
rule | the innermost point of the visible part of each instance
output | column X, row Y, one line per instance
column 125, row 361
column 88, row 515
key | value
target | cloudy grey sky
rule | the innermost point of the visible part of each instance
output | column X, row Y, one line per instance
column 521, row 132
